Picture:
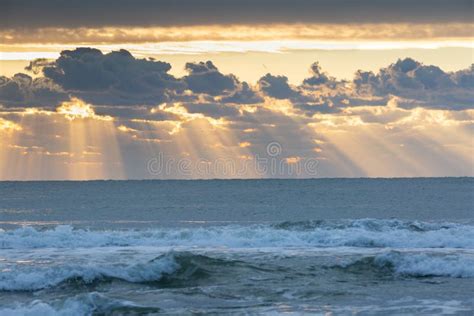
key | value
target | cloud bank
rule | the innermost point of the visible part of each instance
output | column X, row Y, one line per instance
column 119, row 79
column 90, row 13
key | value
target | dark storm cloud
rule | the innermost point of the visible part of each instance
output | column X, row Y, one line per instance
column 319, row 93
column 204, row 77
column 416, row 85
column 21, row 91
column 92, row 13
column 427, row 84
column 318, row 77
column 465, row 78
column 277, row 87
column 117, row 78
column 243, row 95
column 113, row 78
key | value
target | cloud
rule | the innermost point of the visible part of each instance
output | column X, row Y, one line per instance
column 429, row 85
column 243, row 95
column 409, row 74
column 318, row 77
column 204, row 77
column 276, row 87
column 319, row 93
column 413, row 83
column 137, row 113
column 464, row 78
column 90, row 13
column 113, row 78
column 388, row 118
column 160, row 36
column 22, row 91
column 7, row 126
column 119, row 80
column 214, row 110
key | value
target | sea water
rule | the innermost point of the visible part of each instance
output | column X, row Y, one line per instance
column 341, row 246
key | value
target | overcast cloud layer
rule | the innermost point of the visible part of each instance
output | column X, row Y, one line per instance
column 91, row 13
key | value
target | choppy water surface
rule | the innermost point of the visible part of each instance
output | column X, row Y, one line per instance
column 237, row 247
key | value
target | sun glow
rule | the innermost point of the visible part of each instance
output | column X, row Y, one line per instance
column 356, row 142
column 179, row 109
column 78, row 109
column 82, row 145
column 8, row 126
column 389, row 141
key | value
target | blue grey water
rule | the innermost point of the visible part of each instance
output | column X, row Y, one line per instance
column 340, row 246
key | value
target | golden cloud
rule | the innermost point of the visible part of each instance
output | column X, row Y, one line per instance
column 77, row 109
column 121, row 35
column 8, row 126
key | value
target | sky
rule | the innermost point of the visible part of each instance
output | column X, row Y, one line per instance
column 182, row 89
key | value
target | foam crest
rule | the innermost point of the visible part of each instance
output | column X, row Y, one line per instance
column 359, row 233
column 85, row 304
column 407, row 264
column 36, row 278
column 427, row 265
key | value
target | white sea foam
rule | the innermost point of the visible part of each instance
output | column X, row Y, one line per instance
column 406, row 306
column 360, row 233
column 85, row 304
column 414, row 263
column 138, row 268
column 422, row 264
column 39, row 308
column 64, row 253
column 37, row 277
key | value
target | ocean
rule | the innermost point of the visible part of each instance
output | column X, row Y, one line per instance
column 238, row 247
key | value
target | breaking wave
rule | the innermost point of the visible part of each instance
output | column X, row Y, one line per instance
column 168, row 269
column 414, row 265
column 86, row 304
column 357, row 233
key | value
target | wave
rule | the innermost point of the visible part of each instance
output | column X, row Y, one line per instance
column 184, row 269
column 170, row 269
column 86, row 304
column 357, row 233
column 396, row 263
